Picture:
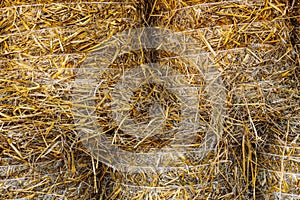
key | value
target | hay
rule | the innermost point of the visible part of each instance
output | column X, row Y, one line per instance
column 279, row 173
column 247, row 45
column 278, row 158
column 296, row 22
column 254, row 55
column 40, row 44
column 180, row 153
column 33, row 3
column 197, row 182
column 61, row 28
column 211, row 14
column 256, row 62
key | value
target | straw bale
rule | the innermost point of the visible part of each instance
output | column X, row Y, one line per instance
column 209, row 179
column 46, row 180
column 279, row 173
column 61, row 28
column 249, row 104
column 12, row 3
column 252, row 47
column 229, row 24
column 297, row 36
column 183, row 154
column 248, row 65
column 249, row 43
column 39, row 154
column 203, row 15
column 278, row 157
column 40, row 45
column 295, row 20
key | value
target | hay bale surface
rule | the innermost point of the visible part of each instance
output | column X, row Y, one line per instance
column 258, row 66
column 61, row 28
column 43, row 46
column 278, row 156
column 40, row 45
column 177, row 156
column 250, row 43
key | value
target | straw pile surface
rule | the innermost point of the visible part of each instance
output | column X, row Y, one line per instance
column 241, row 50
column 278, row 157
column 179, row 169
column 252, row 48
column 249, row 44
column 40, row 155
column 296, row 23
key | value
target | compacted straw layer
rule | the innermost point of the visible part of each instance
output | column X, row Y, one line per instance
column 40, row 43
column 255, row 89
column 250, row 48
column 239, row 75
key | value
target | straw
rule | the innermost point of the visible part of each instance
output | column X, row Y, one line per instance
column 260, row 82
column 211, row 14
column 40, row 156
column 247, row 50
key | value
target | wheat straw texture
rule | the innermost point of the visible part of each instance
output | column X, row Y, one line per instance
column 41, row 157
column 254, row 48
column 258, row 90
